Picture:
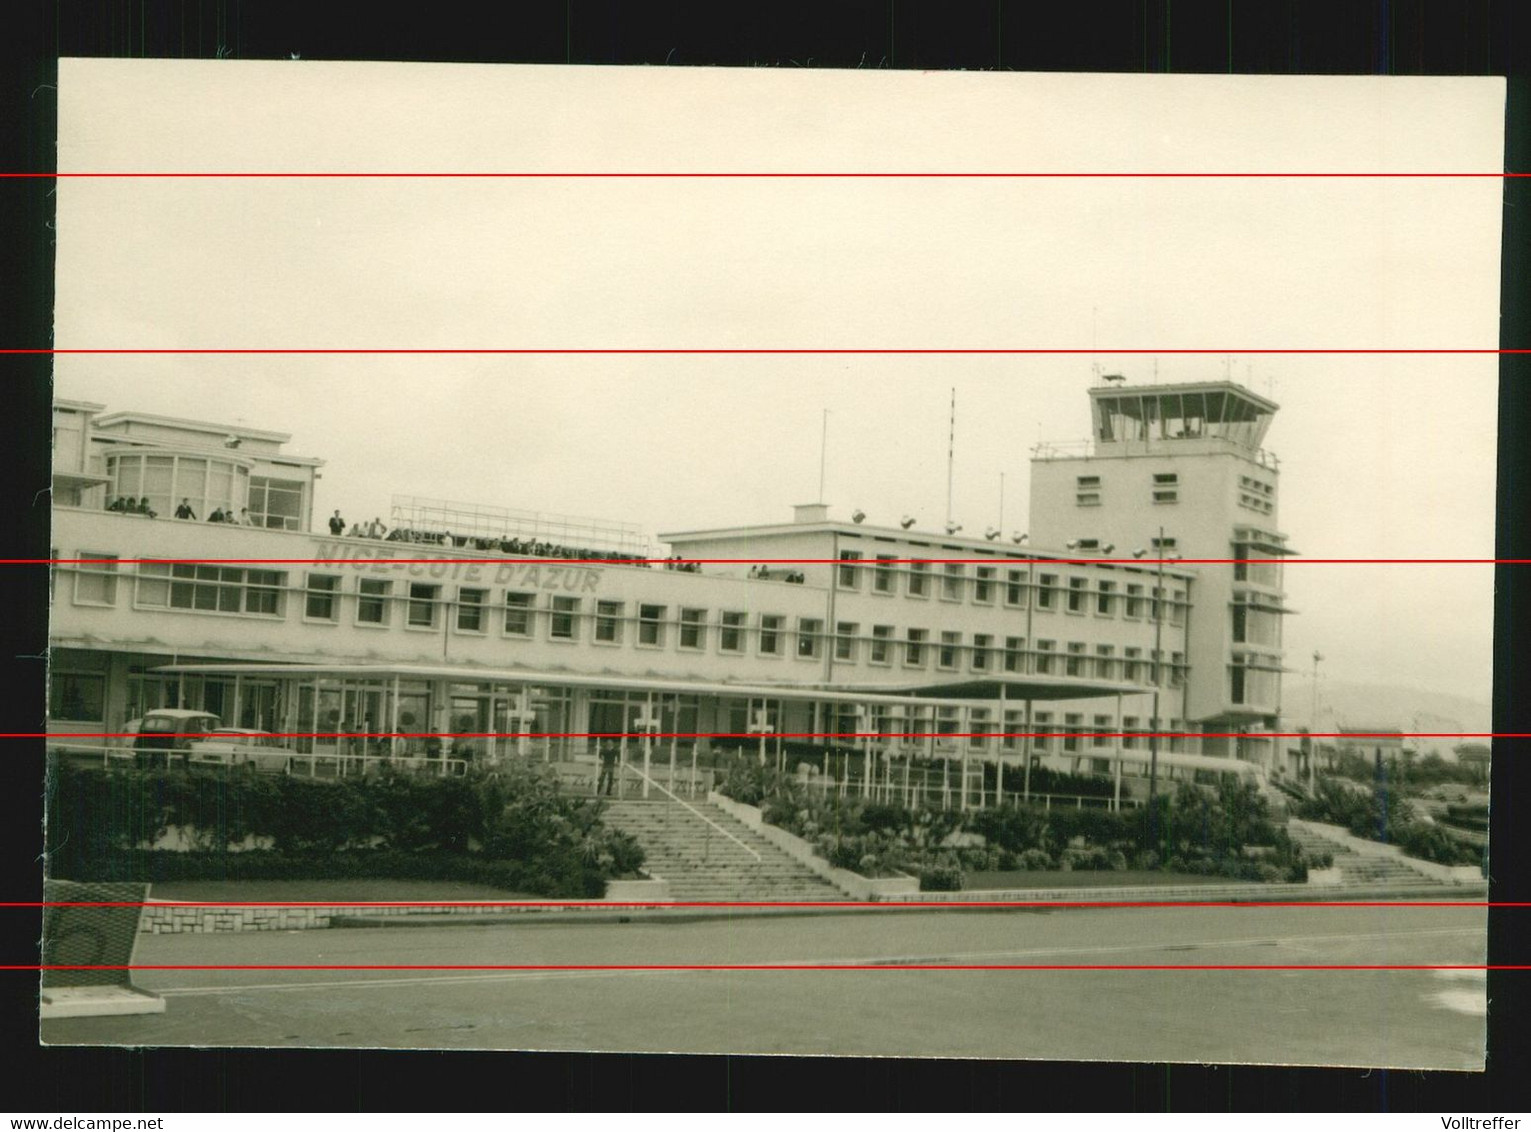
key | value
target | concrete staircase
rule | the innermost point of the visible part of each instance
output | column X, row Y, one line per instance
column 701, row 862
column 1358, row 868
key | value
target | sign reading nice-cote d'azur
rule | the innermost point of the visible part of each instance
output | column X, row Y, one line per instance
column 527, row 574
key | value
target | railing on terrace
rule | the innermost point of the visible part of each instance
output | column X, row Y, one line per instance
column 295, row 764
column 487, row 521
column 1081, row 449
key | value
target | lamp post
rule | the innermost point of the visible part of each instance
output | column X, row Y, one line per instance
column 1153, row 728
column 1313, row 722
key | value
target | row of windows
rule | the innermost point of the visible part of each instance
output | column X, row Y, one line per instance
column 1165, row 488
column 1013, row 590
column 424, row 605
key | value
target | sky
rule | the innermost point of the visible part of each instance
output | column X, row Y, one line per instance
column 1381, row 456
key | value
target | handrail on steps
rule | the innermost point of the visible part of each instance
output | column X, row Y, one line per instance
column 692, row 809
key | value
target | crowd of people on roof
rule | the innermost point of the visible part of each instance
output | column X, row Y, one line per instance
column 535, row 548
column 769, row 574
column 128, row 505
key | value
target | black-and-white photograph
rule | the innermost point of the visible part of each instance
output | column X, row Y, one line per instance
column 735, row 561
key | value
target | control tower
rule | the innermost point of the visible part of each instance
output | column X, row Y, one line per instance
column 1178, row 470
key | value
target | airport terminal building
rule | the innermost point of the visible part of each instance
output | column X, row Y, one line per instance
column 1060, row 647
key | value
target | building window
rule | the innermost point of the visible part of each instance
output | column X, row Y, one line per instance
column 520, row 611
column 471, row 604
column 1074, row 664
column 1177, row 670
column 1177, row 607
column 1087, row 483
column 914, row 648
column 946, row 655
column 1013, row 647
column 693, row 628
column 1078, row 594
column 770, row 634
column 608, row 622
column 77, row 697
column 1087, row 491
column 1102, row 730
column 883, row 575
column 1073, row 724
column 1133, row 665
column 563, row 621
column 845, row 640
column 95, row 583
column 1015, row 587
column 882, row 637
column 1045, row 587
column 1130, row 723
column 212, row 589
column 978, row 726
column 1105, row 662
column 1104, row 601
column 849, row 575
column 983, row 585
column 422, row 605
column 1041, row 724
column 982, row 642
column 1087, row 499
column 952, row 582
column 948, row 720
column 810, row 634
column 919, row 579
column 1134, row 601
column 275, row 503
column 321, row 601
column 731, row 631
column 1166, row 487
column 651, row 625
column 1045, row 657
column 372, row 601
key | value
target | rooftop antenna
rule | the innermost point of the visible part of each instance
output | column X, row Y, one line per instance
column 951, row 452
column 1001, row 500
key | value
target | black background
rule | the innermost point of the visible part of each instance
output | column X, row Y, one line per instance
column 1422, row 37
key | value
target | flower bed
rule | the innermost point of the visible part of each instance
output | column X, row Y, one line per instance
column 1227, row 834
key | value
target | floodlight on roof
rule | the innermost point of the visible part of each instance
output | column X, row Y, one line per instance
column 906, row 522
column 1018, row 537
column 858, row 515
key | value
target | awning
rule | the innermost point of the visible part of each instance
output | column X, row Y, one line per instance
column 464, row 674
column 1016, row 688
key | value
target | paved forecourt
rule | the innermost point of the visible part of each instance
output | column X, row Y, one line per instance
column 1413, row 1019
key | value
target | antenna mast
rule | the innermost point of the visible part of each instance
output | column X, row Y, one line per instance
column 951, row 452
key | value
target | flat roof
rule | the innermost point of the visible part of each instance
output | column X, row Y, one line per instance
column 934, row 540
column 130, row 417
column 1230, row 387
column 77, row 406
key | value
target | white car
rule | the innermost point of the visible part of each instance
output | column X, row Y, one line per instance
column 241, row 747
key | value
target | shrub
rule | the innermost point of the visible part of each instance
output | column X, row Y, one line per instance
column 943, row 877
column 549, row 844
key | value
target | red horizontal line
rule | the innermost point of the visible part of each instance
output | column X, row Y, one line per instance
column 888, row 966
column 528, row 175
column 990, row 561
column 754, row 736
column 625, row 351
column 617, row 905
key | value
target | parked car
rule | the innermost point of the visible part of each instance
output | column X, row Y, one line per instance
column 177, row 737
column 164, row 736
column 242, row 747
